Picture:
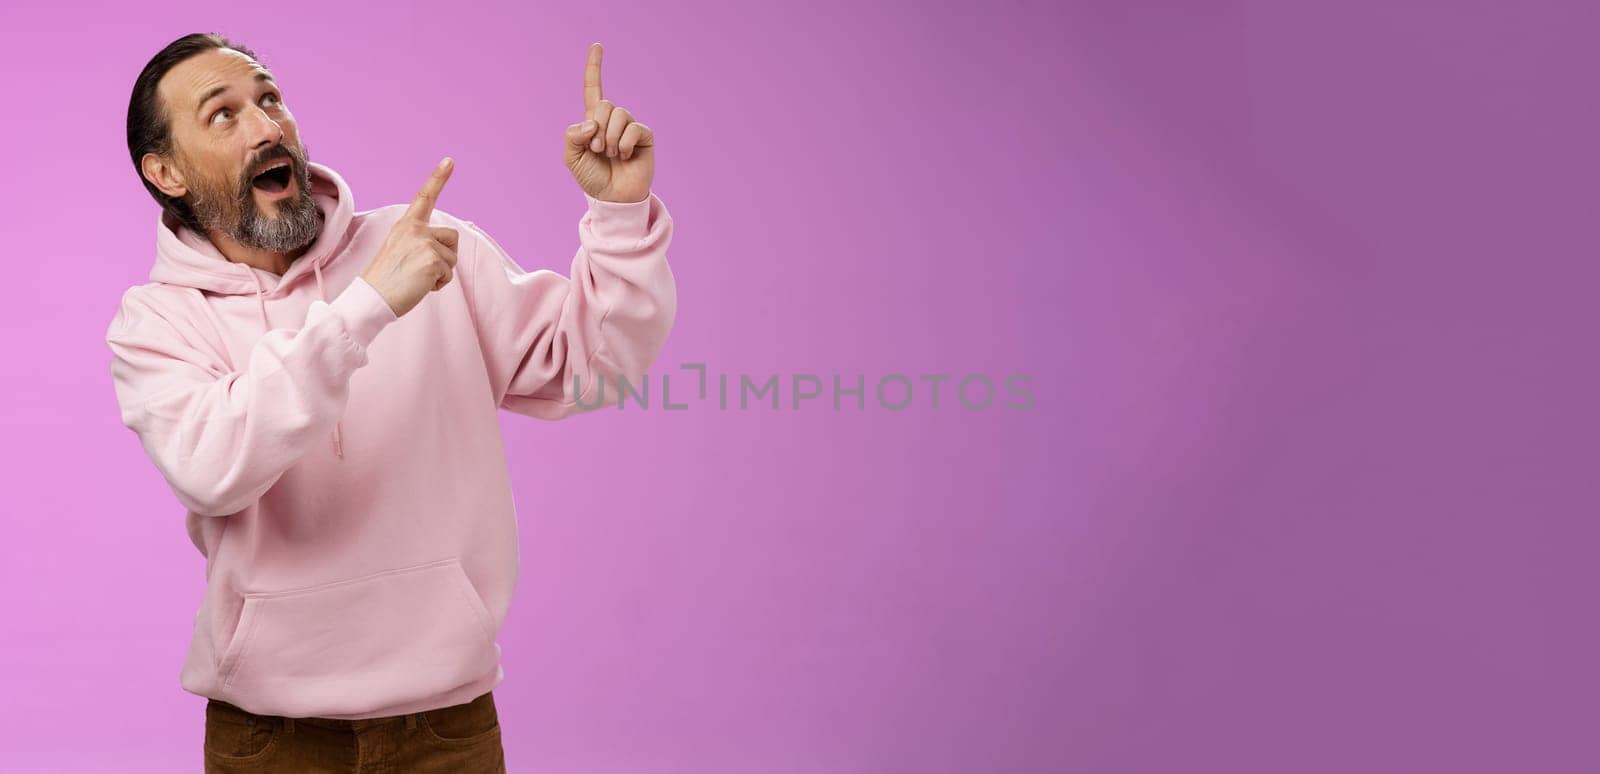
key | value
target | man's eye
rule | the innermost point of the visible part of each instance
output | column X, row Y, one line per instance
column 271, row 96
column 223, row 113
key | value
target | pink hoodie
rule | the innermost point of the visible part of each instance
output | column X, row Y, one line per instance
column 343, row 469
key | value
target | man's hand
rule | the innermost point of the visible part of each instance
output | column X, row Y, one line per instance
column 611, row 155
column 416, row 258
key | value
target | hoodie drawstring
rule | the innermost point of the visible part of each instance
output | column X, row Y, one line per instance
column 338, row 437
column 266, row 326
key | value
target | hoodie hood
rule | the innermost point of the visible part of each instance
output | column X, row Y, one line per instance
column 189, row 259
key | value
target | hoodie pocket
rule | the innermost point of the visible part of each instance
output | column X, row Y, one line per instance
column 353, row 645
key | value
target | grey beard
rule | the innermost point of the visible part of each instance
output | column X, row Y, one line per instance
column 290, row 231
column 296, row 226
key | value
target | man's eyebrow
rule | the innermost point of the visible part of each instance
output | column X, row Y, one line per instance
column 219, row 90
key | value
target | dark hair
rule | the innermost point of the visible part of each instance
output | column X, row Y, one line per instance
column 149, row 128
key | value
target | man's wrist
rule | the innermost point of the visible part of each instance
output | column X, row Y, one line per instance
column 363, row 310
column 620, row 220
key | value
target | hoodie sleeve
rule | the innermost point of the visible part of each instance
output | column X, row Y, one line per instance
column 543, row 333
column 222, row 436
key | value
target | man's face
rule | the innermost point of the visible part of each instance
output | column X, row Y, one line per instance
column 238, row 151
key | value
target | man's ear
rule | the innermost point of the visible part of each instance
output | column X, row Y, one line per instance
column 164, row 175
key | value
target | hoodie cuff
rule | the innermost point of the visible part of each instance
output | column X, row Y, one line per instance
column 620, row 220
column 363, row 311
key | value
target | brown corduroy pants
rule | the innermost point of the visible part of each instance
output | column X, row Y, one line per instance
column 462, row 739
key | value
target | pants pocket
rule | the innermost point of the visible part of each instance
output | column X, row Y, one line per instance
column 352, row 645
column 232, row 736
column 462, row 725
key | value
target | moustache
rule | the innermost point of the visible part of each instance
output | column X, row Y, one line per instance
column 267, row 158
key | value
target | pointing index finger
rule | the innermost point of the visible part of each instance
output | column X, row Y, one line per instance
column 591, row 80
column 422, row 207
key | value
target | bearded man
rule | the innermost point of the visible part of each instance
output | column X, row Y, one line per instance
column 319, row 386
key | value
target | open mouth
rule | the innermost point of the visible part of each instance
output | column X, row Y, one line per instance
column 274, row 179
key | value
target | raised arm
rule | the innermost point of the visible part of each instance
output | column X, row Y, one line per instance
column 557, row 344
column 545, row 335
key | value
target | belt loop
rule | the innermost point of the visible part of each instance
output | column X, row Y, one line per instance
column 411, row 721
column 288, row 725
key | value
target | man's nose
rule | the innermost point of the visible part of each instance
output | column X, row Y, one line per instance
column 264, row 131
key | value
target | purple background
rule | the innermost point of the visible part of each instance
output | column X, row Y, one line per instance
column 1306, row 291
